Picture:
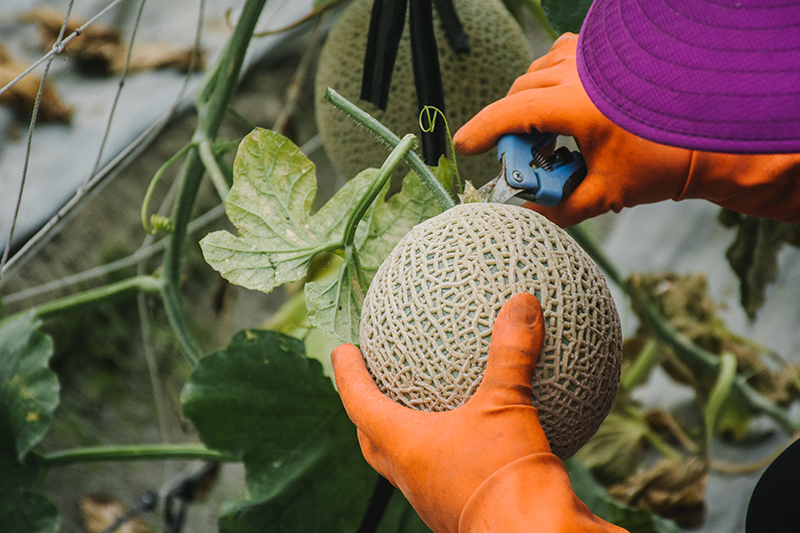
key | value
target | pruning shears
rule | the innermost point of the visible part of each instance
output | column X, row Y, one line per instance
column 527, row 173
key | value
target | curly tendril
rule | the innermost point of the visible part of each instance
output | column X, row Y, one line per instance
column 430, row 113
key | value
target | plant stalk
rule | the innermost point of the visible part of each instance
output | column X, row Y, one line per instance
column 390, row 139
column 404, row 147
column 535, row 7
column 691, row 354
column 146, row 284
column 641, row 367
column 154, row 452
column 212, row 102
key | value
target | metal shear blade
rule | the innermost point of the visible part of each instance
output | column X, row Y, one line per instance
column 498, row 191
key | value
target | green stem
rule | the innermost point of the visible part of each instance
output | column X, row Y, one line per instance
column 535, row 7
column 406, row 144
column 147, row 284
column 662, row 447
column 700, row 360
column 241, row 118
column 154, row 181
column 719, row 393
column 638, row 371
column 390, row 139
column 154, row 452
column 173, row 300
column 212, row 101
column 214, row 171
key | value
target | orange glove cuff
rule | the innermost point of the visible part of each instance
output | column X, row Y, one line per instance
column 763, row 185
column 530, row 494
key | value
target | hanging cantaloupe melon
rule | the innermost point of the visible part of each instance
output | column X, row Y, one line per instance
column 428, row 316
column 500, row 52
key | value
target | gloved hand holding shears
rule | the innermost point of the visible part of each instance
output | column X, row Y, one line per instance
column 625, row 170
column 485, row 466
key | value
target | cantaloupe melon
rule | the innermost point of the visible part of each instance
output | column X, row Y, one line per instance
column 500, row 53
column 428, row 315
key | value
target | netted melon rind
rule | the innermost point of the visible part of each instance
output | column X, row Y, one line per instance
column 500, row 53
column 428, row 315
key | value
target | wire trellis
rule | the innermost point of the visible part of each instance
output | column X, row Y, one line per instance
column 97, row 174
column 104, row 164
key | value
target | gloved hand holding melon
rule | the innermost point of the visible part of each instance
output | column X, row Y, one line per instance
column 467, row 361
column 428, row 317
column 485, row 466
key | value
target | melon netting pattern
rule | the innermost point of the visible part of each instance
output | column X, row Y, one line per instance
column 428, row 316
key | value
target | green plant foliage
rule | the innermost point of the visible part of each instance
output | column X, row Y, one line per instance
column 263, row 400
column 566, row 15
column 28, row 397
column 29, row 512
column 600, row 503
column 615, row 451
column 335, row 307
column 270, row 205
column 753, row 255
column 400, row 517
column 29, row 390
column 274, row 186
column 719, row 394
column 390, row 220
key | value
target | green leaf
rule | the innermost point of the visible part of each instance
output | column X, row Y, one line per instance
column 335, row 306
column 753, row 255
column 600, row 503
column 270, row 206
column 719, row 393
column 263, row 400
column 28, row 397
column 566, row 15
column 400, row 517
column 615, row 451
column 391, row 220
column 29, row 512
column 28, row 388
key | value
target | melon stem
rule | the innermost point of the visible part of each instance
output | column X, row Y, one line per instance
column 404, row 147
column 386, row 136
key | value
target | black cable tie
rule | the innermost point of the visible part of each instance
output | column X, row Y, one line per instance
column 385, row 30
column 453, row 28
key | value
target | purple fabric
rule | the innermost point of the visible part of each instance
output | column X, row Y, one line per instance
column 714, row 75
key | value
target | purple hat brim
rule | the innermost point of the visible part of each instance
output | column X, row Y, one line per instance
column 707, row 75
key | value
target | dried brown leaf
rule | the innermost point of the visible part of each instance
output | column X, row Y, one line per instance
column 686, row 304
column 672, row 489
column 22, row 95
column 665, row 424
column 49, row 21
column 99, row 48
column 100, row 512
column 155, row 56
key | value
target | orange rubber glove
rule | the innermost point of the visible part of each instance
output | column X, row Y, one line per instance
column 624, row 169
column 485, row 466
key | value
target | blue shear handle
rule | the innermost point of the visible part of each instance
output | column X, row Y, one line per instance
column 517, row 152
column 548, row 186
